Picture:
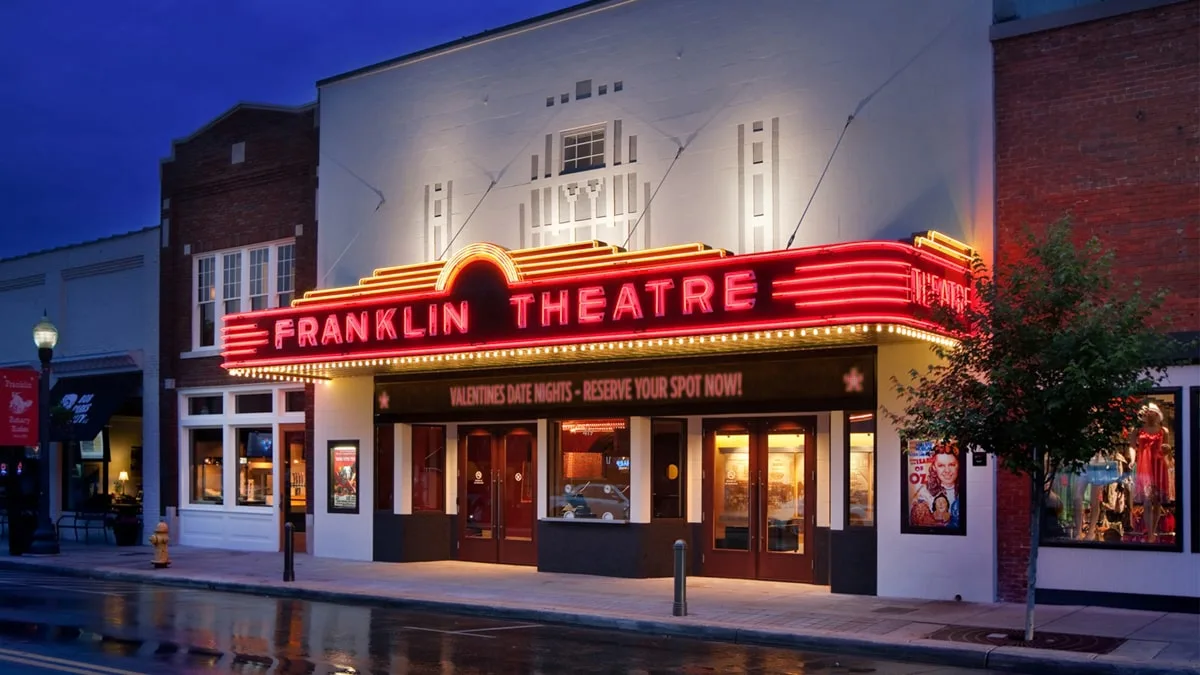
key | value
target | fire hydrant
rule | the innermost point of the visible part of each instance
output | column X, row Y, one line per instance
column 159, row 541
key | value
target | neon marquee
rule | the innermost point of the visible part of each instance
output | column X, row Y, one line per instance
column 488, row 297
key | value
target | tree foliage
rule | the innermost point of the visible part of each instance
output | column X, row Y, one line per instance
column 1052, row 359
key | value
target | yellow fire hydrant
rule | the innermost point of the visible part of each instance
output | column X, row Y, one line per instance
column 159, row 541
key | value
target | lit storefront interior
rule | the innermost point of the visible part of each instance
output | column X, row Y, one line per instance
column 581, row 407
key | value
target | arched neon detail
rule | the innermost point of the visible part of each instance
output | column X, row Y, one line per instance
column 494, row 254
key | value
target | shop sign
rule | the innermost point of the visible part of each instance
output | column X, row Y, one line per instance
column 485, row 304
column 933, row 497
column 821, row 382
column 19, row 395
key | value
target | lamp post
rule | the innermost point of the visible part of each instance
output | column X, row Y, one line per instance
column 45, row 539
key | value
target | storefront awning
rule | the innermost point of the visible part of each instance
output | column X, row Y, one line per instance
column 489, row 307
column 90, row 401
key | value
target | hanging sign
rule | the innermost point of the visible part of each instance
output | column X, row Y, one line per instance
column 19, row 396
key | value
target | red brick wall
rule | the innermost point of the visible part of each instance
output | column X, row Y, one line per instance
column 1100, row 121
column 214, row 205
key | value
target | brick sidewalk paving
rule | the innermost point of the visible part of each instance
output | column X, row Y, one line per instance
column 793, row 615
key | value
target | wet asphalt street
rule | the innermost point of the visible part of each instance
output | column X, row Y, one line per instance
column 51, row 624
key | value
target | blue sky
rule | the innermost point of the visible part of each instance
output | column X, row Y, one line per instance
column 93, row 92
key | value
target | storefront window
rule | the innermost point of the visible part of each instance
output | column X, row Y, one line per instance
column 668, row 455
column 428, row 468
column 255, row 460
column 1128, row 496
column 83, row 475
column 589, row 470
column 207, row 453
column 861, row 491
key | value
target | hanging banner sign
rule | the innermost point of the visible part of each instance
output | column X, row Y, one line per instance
column 19, row 396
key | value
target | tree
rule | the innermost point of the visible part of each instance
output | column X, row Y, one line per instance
column 1051, row 360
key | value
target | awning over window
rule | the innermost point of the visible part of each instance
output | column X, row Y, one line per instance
column 90, row 400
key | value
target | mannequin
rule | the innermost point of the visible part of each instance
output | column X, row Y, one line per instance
column 1148, row 451
column 1099, row 473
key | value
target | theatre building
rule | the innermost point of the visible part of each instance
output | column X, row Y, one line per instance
column 637, row 272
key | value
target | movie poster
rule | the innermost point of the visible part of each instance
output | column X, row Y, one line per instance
column 343, row 477
column 934, row 495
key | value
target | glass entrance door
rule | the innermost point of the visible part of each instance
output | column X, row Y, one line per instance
column 497, row 495
column 759, row 499
column 295, row 486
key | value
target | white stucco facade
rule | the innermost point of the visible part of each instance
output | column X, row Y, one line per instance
column 103, row 298
column 718, row 120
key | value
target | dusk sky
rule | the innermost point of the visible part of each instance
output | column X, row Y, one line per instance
column 94, row 92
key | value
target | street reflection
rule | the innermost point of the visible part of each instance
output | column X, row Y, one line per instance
column 196, row 631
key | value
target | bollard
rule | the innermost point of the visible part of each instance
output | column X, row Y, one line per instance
column 680, row 606
column 289, row 552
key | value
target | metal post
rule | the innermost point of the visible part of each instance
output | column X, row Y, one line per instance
column 45, row 539
column 289, row 552
column 680, row 606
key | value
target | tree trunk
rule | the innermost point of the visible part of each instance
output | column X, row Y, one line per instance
column 1036, row 499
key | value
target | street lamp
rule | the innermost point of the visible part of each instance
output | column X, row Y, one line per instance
column 45, row 539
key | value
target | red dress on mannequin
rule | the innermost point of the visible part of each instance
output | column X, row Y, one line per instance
column 1153, row 475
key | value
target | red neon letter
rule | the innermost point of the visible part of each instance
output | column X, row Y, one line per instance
column 332, row 332
column 522, row 303
column 284, row 328
column 384, row 328
column 697, row 292
column 559, row 308
column 591, row 304
column 409, row 331
column 659, row 288
column 433, row 322
column 356, row 326
column 456, row 318
column 740, row 289
column 627, row 303
column 307, row 330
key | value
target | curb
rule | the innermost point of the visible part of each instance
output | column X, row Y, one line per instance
column 1013, row 659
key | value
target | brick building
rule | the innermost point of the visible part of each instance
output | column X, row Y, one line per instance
column 238, row 233
column 1097, row 118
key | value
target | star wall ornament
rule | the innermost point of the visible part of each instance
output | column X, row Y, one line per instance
column 853, row 381
column 383, row 400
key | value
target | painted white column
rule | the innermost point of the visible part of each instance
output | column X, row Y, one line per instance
column 451, row 468
column 823, row 469
column 837, row 470
column 402, row 471
column 641, row 470
column 694, row 489
column 343, row 412
column 543, row 466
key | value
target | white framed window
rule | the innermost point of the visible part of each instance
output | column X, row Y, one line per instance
column 231, row 289
column 285, row 275
column 248, row 281
column 260, row 264
column 583, row 149
column 228, row 440
column 206, row 302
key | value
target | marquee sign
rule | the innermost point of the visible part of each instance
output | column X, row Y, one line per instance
column 486, row 296
column 844, row 381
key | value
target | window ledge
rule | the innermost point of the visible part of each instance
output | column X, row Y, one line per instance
column 598, row 521
column 206, row 352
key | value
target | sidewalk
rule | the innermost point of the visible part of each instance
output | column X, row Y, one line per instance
column 788, row 615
